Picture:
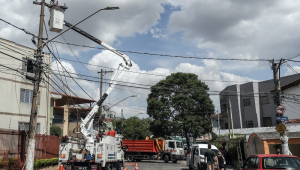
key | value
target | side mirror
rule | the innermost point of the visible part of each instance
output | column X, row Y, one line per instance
column 126, row 147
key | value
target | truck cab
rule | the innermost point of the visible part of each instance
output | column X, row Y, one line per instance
column 175, row 150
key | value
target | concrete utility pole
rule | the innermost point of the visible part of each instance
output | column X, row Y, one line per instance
column 278, row 100
column 102, row 73
column 38, row 69
column 231, row 117
column 228, row 121
column 37, row 78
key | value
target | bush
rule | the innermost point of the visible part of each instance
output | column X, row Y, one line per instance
column 55, row 131
column 39, row 163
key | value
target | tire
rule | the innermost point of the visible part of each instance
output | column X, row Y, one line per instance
column 174, row 161
column 108, row 166
column 130, row 157
column 166, row 158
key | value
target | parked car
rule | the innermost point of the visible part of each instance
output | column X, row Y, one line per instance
column 195, row 157
column 271, row 161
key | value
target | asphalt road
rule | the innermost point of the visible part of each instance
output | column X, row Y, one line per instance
column 158, row 165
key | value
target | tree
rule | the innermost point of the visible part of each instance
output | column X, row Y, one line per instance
column 180, row 103
column 55, row 131
column 135, row 128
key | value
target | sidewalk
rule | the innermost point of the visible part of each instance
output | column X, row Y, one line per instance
column 229, row 167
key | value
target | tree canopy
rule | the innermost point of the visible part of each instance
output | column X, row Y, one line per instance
column 180, row 103
column 134, row 127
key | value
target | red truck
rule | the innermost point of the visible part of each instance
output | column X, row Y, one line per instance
column 167, row 150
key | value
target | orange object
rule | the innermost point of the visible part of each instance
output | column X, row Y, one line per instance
column 136, row 167
column 63, row 155
column 61, row 167
column 99, row 155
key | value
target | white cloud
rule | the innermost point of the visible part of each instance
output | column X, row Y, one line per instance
column 133, row 17
column 290, row 72
column 244, row 29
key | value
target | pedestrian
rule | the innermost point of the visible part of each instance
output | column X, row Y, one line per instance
column 221, row 160
column 277, row 151
column 209, row 158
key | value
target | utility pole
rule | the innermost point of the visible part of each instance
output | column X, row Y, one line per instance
column 228, row 121
column 231, row 117
column 219, row 122
column 278, row 100
column 102, row 74
column 38, row 69
column 37, row 78
column 122, row 119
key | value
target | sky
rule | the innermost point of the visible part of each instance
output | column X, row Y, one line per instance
column 230, row 29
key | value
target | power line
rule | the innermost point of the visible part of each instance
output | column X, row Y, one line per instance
column 69, row 73
column 167, row 55
column 22, row 29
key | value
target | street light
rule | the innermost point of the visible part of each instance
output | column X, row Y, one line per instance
column 123, row 100
column 138, row 114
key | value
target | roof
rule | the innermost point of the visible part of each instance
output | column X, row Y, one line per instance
column 291, row 84
column 294, row 121
column 71, row 100
column 215, row 116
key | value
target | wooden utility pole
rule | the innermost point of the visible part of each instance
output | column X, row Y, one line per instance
column 278, row 100
column 37, row 78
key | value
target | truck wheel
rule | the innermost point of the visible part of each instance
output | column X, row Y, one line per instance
column 130, row 158
column 108, row 166
column 166, row 158
column 174, row 161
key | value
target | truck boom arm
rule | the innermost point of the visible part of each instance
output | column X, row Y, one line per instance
column 88, row 133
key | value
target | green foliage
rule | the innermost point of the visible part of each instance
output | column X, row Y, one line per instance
column 55, row 131
column 39, row 163
column 217, row 143
column 180, row 102
column 118, row 125
column 135, row 128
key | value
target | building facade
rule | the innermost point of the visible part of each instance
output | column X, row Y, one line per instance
column 17, row 91
column 252, row 104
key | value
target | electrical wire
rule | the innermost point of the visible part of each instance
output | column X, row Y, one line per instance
column 22, row 29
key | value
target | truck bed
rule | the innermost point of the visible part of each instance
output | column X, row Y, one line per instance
column 141, row 145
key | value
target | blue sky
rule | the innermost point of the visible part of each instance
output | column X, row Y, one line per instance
column 197, row 28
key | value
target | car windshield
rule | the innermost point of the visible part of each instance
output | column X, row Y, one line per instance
column 179, row 145
column 280, row 163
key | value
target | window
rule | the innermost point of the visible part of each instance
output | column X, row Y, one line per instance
column 25, row 126
column 247, row 102
column 267, row 121
column 251, row 163
column 226, row 126
column 171, row 145
column 179, row 145
column 264, row 100
column 249, row 124
column 26, row 96
column 280, row 163
column 28, row 65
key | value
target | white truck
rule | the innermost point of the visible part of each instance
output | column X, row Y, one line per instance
column 96, row 150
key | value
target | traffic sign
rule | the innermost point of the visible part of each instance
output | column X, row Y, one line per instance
column 284, row 118
column 280, row 109
column 280, row 128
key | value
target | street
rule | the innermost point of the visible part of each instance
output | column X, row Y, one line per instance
column 158, row 165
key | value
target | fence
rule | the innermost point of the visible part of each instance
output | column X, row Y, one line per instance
column 14, row 144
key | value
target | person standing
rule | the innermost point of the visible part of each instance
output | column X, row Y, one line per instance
column 221, row 160
column 209, row 158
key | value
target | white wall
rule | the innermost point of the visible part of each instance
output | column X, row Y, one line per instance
column 11, row 110
column 292, row 109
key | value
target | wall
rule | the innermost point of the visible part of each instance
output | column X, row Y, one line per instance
column 11, row 110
